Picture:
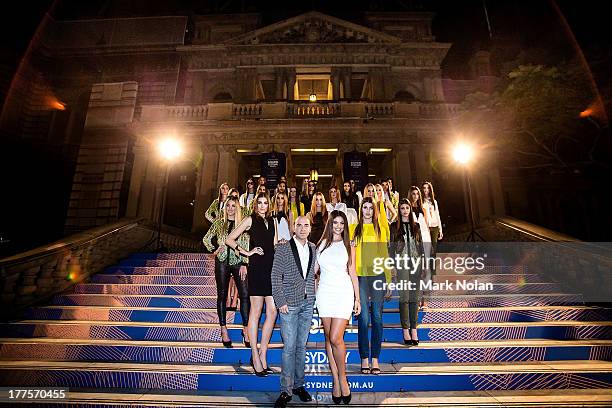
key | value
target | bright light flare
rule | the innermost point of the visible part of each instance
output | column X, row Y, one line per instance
column 170, row 149
column 463, row 153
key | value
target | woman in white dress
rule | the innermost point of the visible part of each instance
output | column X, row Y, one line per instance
column 337, row 296
column 416, row 201
column 282, row 217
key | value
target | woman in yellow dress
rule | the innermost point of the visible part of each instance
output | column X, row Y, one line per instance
column 370, row 236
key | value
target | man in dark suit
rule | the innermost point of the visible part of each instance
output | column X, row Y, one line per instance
column 293, row 289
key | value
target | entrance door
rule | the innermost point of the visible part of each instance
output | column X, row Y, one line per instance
column 180, row 196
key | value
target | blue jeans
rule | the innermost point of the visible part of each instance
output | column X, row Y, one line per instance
column 368, row 294
column 295, row 328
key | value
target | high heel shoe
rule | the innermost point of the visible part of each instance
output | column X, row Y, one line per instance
column 337, row 400
column 226, row 344
column 346, row 398
column 258, row 373
column 247, row 344
column 415, row 342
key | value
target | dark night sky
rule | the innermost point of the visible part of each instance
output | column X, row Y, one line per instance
column 516, row 25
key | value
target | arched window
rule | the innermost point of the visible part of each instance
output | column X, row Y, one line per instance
column 223, row 97
column 404, row 96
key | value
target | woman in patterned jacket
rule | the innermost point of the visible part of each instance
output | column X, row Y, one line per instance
column 216, row 207
column 229, row 263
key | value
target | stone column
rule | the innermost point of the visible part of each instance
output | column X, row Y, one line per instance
column 377, row 81
column 346, row 78
column 339, row 170
column 428, row 89
column 228, row 171
column 137, row 180
column 206, row 188
column 289, row 172
column 199, row 80
column 291, row 77
column 335, row 81
column 422, row 166
column 403, row 176
column 280, row 81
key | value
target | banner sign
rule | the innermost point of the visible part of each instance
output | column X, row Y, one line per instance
column 273, row 166
column 355, row 167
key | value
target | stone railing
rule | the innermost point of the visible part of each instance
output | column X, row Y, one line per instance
column 176, row 113
column 380, row 109
column 438, row 109
column 508, row 229
column 247, row 110
column 37, row 274
column 580, row 267
column 293, row 110
column 313, row 110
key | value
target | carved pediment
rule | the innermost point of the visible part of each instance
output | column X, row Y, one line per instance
column 313, row 28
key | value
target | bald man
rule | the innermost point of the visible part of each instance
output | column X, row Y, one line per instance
column 293, row 289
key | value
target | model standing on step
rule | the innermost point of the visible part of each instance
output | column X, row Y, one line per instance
column 249, row 193
column 318, row 217
column 406, row 242
column 282, row 217
column 229, row 263
column 216, row 207
column 295, row 206
column 416, row 201
column 263, row 237
column 370, row 237
column 337, row 297
column 348, row 196
column 432, row 212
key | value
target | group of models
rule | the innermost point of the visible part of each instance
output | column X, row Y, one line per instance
column 292, row 260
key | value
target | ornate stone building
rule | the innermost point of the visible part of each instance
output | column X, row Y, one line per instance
column 312, row 87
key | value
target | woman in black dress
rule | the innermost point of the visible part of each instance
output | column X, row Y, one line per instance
column 318, row 217
column 263, row 237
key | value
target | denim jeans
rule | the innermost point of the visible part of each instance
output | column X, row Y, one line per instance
column 368, row 295
column 295, row 328
column 409, row 299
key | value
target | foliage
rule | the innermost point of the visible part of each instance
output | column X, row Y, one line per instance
column 546, row 117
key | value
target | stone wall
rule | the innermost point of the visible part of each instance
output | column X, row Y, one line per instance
column 34, row 275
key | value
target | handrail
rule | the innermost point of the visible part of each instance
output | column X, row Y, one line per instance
column 80, row 238
column 533, row 230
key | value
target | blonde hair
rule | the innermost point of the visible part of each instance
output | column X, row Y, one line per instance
column 237, row 216
column 275, row 206
column 313, row 205
column 365, row 191
column 376, row 192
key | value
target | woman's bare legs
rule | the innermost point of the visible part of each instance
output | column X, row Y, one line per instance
column 327, row 327
column 336, row 338
column 266, row 331
column 254, row 316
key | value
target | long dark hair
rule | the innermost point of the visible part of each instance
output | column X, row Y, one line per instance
column 419, row 202
column 412, row 221
column 432, row 196
column 328, row 233
column 359, row 227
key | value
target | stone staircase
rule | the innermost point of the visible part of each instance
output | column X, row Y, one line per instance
column 145, row 333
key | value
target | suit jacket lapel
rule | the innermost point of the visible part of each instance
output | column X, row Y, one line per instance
column 309, row 259
column 296, row 255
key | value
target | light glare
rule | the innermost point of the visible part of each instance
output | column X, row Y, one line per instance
column 463, row 153
column 170, row 149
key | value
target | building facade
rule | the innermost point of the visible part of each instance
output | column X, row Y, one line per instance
column 313, row 87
